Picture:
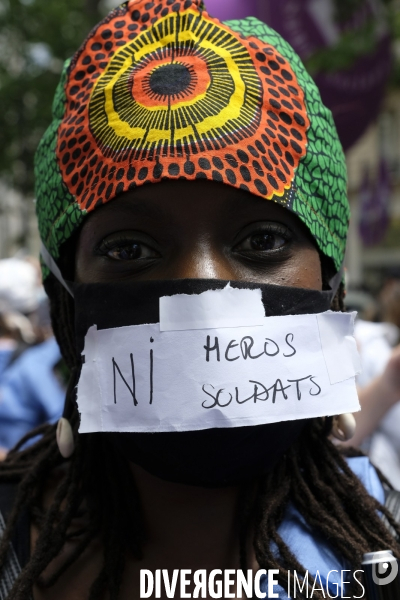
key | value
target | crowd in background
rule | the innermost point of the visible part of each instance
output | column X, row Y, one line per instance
column 31, row 369
column 377, row 332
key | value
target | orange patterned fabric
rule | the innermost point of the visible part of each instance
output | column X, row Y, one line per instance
column 162, row 90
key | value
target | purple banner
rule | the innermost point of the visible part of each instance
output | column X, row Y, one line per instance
column 374, row 203
column 355, row 95
column 233, row 9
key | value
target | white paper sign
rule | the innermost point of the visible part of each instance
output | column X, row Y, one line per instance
column 229, row 307
column 142, row 379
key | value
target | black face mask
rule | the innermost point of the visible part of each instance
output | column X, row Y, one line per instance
column 211, row 457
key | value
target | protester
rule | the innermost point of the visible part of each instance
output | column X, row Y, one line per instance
column 378, row 424
column 380, row 395
column 19, row 285
column 31, row 393
column 18, row 301
column 10, row 335
column 245, row 183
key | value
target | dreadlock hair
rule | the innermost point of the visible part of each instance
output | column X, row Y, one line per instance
column 313, row 475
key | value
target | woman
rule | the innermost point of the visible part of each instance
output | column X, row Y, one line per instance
column 223, row 118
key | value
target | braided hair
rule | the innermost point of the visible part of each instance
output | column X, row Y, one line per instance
column 313, row 475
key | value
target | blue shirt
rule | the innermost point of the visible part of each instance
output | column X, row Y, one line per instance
column 30, row 393
column 312, row 550
column 5, row 357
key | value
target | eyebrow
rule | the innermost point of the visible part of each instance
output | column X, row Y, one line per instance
column 142, row 207
column 244, row 200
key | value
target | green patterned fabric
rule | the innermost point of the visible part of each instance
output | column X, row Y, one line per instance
column 85, row 160
column 320, row 198
column 58, row 213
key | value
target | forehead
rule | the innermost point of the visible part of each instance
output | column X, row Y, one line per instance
column 186, row 205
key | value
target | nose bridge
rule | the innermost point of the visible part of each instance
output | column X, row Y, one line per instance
column 200, row 258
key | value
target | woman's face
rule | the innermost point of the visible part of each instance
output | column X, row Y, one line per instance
column 202, row 229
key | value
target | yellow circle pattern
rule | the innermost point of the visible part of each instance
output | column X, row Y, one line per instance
column 229, row 106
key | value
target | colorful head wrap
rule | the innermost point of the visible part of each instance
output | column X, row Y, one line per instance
column 161, row 90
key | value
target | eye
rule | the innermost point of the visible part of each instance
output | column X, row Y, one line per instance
column 269, row 239
column 126, row 248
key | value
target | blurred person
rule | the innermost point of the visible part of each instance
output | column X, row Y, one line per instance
column 375, row 342
column 389, row 302
column 378, row 424
column 31, row 391
column 19, row 285
column 270, row 496
column 15, row 334
column 19, row 301
column 22, row 292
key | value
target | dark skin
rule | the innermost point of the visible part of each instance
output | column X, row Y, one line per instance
column 196, row 230
column 177, row 230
